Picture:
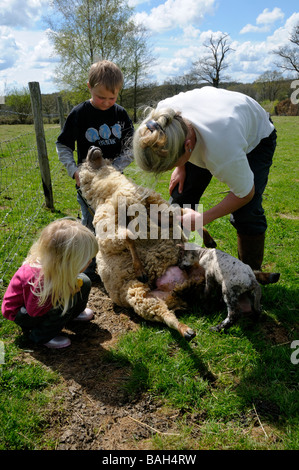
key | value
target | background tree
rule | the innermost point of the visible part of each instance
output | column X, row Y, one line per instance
column 209, row 68
column 84, row 31
column 269, row 86
column 136, row 67
column 18, row 101
column 290, row 54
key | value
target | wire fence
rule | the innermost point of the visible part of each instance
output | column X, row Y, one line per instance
column 22, row 200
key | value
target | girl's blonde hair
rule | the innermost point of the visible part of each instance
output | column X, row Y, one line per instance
column 63, row 250
column 158, row 142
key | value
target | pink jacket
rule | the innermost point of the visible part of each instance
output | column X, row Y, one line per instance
column 19, row 294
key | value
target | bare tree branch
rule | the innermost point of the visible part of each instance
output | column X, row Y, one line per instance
column 210, row 67
column 290, row 54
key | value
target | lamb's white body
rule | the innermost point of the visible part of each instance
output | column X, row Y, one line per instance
column 240, row 289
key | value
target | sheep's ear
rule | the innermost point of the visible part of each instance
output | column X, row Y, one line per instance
column 95, row 157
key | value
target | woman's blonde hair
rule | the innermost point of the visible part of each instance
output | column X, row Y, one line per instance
column 158, row 142
column 63, row 250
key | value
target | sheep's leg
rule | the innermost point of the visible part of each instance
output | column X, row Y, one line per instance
column 127, row 236
column 153, row 308
column 106, row 231
column 138, row 267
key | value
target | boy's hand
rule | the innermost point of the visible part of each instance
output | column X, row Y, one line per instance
column 76, row 176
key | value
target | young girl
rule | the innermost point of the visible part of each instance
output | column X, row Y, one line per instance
column 50, row 289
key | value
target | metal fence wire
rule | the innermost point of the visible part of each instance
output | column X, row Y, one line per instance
column 21, row 194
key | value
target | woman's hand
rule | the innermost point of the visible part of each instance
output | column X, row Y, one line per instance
column 191, row 220
column 177, row 178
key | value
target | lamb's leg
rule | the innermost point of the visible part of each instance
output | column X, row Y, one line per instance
column 242, row 305
column 153, row 308
column 233, row 312
column 232, row 315
column 224, row 325
column 256, row 307
column 209, row 241
column 266, row 278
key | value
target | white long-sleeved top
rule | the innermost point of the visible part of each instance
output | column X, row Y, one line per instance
column 228, row 125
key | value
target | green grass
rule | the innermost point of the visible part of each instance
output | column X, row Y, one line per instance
column 22, row 203
column 229, row 383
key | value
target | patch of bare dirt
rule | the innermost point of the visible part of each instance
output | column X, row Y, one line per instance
column 92, row 410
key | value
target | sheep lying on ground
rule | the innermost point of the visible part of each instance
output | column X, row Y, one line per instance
column 239, row 284
column 125, row 261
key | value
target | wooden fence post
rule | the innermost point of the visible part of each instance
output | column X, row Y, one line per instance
column 36, row 104
column 60, row 111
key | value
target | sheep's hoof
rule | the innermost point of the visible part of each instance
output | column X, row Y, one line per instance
column 143, row 278
column 188, row 334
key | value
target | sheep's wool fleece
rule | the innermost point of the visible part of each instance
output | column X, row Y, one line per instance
column 114, row 262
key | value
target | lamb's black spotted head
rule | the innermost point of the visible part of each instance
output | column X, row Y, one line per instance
column 95, row 158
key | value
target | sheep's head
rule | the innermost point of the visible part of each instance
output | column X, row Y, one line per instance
column 95, row 158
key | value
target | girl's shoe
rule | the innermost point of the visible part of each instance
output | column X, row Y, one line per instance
column 58, row 342
column 86, row 315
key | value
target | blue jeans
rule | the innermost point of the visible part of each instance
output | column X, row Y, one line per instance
column 250, row 219
column 87, row 217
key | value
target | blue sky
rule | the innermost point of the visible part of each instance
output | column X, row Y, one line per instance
column 178, row 30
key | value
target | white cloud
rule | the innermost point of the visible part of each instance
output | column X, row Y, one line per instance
column 247, row 61
column 190, row 32
column 134, row 3
column 252, row 59
column 266, row 19
column 269, row 17
column 9, row 49
column 43, row 52
column 250, row 28
column 28, row 55
column 22, row 13
column 175, row 14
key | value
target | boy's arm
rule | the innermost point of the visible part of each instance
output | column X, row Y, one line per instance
column 124, row 159
column 66, row 156
column 126, row 156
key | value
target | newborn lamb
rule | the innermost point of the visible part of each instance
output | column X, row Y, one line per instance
column 239, row 284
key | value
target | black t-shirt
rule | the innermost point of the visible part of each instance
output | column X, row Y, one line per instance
column 88, row 126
